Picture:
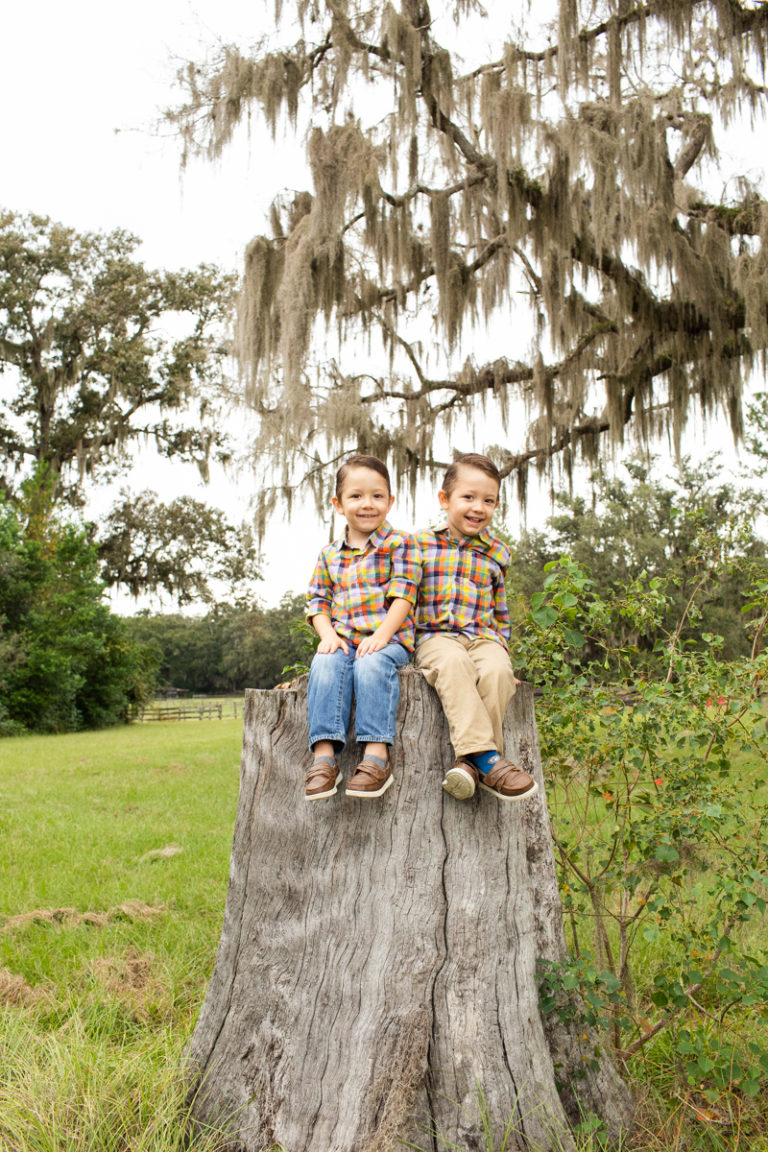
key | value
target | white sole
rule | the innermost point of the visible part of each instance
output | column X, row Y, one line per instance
column 459, row 784
column 327, row 795
column 521, row 796
column 371, row 795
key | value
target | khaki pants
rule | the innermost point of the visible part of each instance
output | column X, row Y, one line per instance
column 474, row 679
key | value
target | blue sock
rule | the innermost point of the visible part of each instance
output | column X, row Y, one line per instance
column 484, row 761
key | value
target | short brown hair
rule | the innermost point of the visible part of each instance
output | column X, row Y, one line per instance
column 471, row 460
column 360, row 461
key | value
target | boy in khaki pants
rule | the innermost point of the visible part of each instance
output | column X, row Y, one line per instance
column 462, row 631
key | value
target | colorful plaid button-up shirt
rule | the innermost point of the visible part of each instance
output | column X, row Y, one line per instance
column 355, row 586
column 462, row 585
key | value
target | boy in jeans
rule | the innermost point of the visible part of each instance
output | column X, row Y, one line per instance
column 462, row 631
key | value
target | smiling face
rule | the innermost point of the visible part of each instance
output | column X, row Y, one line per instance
column 364, row 501
column 471, row 502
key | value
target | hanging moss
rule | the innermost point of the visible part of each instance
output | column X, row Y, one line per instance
column 556, row 191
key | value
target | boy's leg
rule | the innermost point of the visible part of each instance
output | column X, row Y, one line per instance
column 447, row 666
column 377, row 693
column 495, row 684
column 329, row 704
column 475, row 682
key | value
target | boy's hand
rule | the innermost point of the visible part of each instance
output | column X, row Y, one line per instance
column 332, row 642
column 373, row 643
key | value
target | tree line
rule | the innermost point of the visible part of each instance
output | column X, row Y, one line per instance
column 67, row 662
column 694, row 536
column 228, row 649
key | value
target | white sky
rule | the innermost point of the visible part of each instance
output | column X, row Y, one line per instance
column 82, row 85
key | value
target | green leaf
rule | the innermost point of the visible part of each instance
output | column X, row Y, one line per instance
column 545, row 617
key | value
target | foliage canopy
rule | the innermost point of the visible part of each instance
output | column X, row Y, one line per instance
column 532, row 222
column 696, row 534
column 227, row 650
column 66, row 662
column 97, row 352
column 100, row 356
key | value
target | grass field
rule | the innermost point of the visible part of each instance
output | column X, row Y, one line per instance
column 114, row 854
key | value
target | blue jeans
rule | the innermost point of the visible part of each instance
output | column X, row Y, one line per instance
column 335, row 678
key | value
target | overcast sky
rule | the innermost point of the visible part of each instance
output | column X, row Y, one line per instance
column 82, row 86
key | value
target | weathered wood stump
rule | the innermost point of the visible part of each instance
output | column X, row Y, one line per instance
column 376, row 977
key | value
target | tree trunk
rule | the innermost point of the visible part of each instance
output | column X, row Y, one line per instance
column 376, row 977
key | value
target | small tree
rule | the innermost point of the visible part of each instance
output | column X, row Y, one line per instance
column 69, row 661
column 696, row 532
column 99, row 356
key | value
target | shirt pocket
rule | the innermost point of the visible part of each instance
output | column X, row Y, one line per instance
column 375, row 569
column 478, row 587
column 367, row 604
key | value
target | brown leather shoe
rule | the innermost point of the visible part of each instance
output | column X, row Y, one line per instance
column 461, row 780
column 369, row 781
column 321, row 780
column 508, row 782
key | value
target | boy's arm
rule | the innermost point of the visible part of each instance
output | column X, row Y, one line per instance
column 406, row 570
column 501, row 609
column 397, row 614
column 402, row 593
column 318, row 609
column 329, row 637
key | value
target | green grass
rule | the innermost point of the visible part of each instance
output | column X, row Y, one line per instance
column 114, row 852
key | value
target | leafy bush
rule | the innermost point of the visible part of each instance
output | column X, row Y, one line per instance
column 660, row 812
column 68, row 661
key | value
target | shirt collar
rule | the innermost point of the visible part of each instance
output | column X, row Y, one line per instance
column 373, row 541
column 483, row 542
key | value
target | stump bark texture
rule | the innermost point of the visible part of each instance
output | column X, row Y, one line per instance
column 376, row 977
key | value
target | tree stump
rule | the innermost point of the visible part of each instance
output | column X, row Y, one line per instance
column 376, row 977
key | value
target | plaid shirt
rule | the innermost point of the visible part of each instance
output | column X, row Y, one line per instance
column 462, row 586
column 355, row 586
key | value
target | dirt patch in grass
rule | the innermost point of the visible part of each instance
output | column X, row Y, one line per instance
column 128, row 910
column 161, row 853
column 131, row 980
column 15, row 990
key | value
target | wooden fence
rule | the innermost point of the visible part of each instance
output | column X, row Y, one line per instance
column 189, row 711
